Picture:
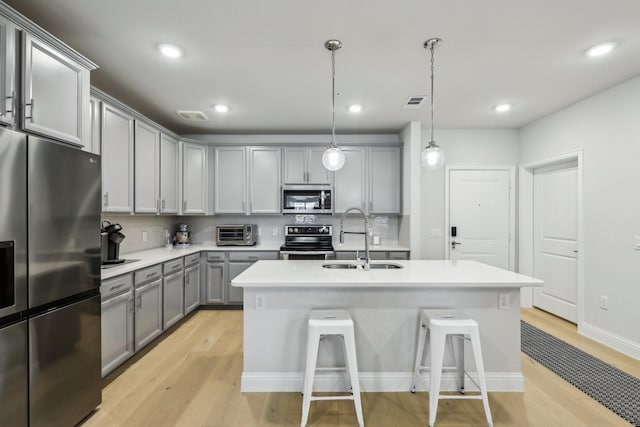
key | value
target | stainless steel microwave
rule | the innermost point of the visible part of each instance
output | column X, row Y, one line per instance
column 307, row 199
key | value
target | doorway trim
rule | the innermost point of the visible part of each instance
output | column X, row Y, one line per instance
column 512, row 205
column 525, row 230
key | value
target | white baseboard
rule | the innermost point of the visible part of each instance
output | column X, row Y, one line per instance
column 616, row 342
column 373, row 382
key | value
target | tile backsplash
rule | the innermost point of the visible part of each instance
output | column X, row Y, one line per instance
column 270, row 227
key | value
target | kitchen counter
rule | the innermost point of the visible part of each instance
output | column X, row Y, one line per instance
column 151, row 257
column 385, row 307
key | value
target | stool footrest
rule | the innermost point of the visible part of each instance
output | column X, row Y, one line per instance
column 331, row 398
column 455, row 396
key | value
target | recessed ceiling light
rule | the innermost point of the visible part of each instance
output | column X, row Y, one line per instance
column 502, row 108
column 170, row 50
column 221, row 108
column 600, row 49
column 355, row 108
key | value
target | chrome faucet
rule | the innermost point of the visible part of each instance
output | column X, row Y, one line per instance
column 367, row 260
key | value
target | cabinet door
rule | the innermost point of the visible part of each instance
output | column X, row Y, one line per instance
column 235, row 294
column 95, row 117
column 215, row 282
column 316, row 172
column 173, row 297
column 56, row 93
column 148, row 314
column 117, row 331
column 265, row 185
column 384, row 180
column 191, row 289
column 230, row 180
column 7, row 72
column 194, row 179
column 117, row 160
column 147, row 174
column 350, row 181
column 169, row 163
column 295, row 165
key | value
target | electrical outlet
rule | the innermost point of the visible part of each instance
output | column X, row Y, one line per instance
column 261, row 302
column 144, row 236
column 275, row 231
column 504, row 301
column 604, row 302
column 259, row 231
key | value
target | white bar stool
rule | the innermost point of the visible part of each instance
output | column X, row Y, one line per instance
column 330, row 322
column 443, row 326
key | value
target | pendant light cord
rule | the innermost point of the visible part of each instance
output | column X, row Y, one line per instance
column 432, row 47
column 333, row 97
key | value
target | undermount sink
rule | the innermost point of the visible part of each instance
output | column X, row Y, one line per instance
column 376, row 266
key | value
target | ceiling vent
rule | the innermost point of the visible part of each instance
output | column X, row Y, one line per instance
column 194, row 116
column 415, row 102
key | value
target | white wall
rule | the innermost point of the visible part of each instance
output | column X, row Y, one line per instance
column 468, row 147
column 607, row 127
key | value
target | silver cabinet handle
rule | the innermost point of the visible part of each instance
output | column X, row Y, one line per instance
column 139, row 302
column 163, row 205
column 253, row 257
column 151, row 275
column 12, row 110
column 250, row 207
column 30, row 104
column 187, row 278
column 114, row 287
column 184, row 206
column 106, row 199
column 130, row 304
column 158, row 206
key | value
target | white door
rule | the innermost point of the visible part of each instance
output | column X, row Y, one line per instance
column 555, row 239
column 479, row 212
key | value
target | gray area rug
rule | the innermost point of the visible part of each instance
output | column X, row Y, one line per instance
column 614, row 389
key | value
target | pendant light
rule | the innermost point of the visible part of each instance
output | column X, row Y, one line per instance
column 333, row 156
column 432, row 156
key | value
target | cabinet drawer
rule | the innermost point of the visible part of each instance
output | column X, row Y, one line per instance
column 253, row 256
column 215, row 256
column 399, row 255
column 116, row 285
column 172, row 267
column 147, row 275
column 190, row 260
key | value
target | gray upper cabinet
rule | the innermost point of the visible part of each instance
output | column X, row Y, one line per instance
column 350, row 181
column 147, row 168
column 230, row 171
column 55, row 93
column 7, row 71
column 169, row 169
column 194, row 167
column 117, row 159
column 384, row 180
column 303, row 165
column 370, row 180
column 265, row 180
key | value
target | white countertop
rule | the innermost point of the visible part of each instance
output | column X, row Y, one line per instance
column 151, row 257
column 155, row 256
column 416, row 273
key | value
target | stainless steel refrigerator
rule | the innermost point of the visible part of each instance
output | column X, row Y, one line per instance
column 49, row 282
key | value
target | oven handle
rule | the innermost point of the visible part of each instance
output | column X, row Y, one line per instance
column 307, row 252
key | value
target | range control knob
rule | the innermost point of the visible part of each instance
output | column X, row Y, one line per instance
column 295, row 230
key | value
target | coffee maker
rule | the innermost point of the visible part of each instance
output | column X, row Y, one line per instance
column 183, row 236
column 111, row 238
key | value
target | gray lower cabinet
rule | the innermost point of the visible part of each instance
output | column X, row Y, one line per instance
column 375, row 255
column 173, row 298
column 117, row 322
column 234, row 294
column 191, row 288
column 148, row 303
column 215, row 281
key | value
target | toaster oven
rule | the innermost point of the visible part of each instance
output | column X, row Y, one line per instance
column 236, row 235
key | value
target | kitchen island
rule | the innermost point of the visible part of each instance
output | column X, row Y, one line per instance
column 384, row 305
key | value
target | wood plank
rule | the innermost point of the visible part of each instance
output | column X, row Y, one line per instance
column 191, row 377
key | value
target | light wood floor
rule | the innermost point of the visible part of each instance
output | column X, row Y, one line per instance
column 191, row 377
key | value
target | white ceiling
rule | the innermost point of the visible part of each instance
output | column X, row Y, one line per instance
column 267, row 60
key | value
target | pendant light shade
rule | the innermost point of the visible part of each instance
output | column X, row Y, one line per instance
column 333, row 157
column 432, row 155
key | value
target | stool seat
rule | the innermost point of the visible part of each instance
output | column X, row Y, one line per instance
column 443, row 326
column 322, row 323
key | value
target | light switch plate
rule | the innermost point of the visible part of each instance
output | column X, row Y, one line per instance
column 636, row 243
column 504, row 301
column 435, row 233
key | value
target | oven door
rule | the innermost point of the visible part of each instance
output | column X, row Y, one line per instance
column 301, row 255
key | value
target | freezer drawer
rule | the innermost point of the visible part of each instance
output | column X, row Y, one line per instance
column 64, row 364
column 13, row 375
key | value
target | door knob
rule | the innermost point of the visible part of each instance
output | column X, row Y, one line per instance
column 454, row 243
